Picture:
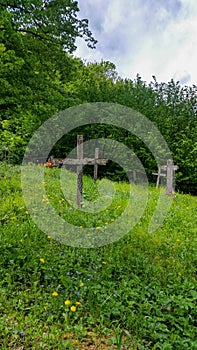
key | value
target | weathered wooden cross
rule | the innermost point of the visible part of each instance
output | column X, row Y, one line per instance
column 170, row 168
column 159, row 174
column 80, row 162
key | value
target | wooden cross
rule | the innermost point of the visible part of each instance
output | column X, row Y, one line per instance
column 159, row 175
column 170, row 168
column 80, row 162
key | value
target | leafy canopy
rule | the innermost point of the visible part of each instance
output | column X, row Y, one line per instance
column 53, row 21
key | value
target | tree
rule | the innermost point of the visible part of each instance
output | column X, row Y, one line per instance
column 36, row 38
column 52, row 21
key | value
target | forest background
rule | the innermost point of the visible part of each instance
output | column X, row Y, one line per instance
column 39, row 76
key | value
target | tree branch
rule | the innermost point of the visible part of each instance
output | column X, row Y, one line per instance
column 28, row 31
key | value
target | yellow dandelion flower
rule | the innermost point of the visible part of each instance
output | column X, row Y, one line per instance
column 80, row 226
column 104, row 262
column 27, row 213
column 106, row 223
column 78, row 303
column 73, row 308
column 49, row 237
column 81, row 284
column 42, row 260
column 55, row 294
column 67, row 302
column 98, row 227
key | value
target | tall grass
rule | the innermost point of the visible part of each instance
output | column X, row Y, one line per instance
column 137, row 293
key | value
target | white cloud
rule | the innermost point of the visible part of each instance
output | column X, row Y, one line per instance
column 150, row 38
column 113, row 16
column 87, row 54
column 182, row 76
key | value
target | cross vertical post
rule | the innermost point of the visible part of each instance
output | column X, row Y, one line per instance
column 159, row 175
column 79, row 170
column 134, row 176
column 96, row 165
column 170, row 168
column 170, row 172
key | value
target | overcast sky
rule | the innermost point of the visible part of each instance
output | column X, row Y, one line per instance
column 149, row 37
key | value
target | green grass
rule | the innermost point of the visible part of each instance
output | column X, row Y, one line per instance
column 137, row 293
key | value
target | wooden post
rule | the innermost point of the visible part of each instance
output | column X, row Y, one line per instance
column 170, row 172
column 159, row 175
column 96, row 165
column 134, row 176
column 170, row 169
column 79, row 170
column 80, row 162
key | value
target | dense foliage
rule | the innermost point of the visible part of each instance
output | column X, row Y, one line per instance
column 39, row 77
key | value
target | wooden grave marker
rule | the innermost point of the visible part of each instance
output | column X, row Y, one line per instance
column 80, row 162
column 170, row 168
column 159, row 174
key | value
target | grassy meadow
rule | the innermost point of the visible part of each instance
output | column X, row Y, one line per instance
column 138, row 293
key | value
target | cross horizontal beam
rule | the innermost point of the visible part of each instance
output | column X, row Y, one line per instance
column 84, row 161
column 172, row 167
column 159, row 174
